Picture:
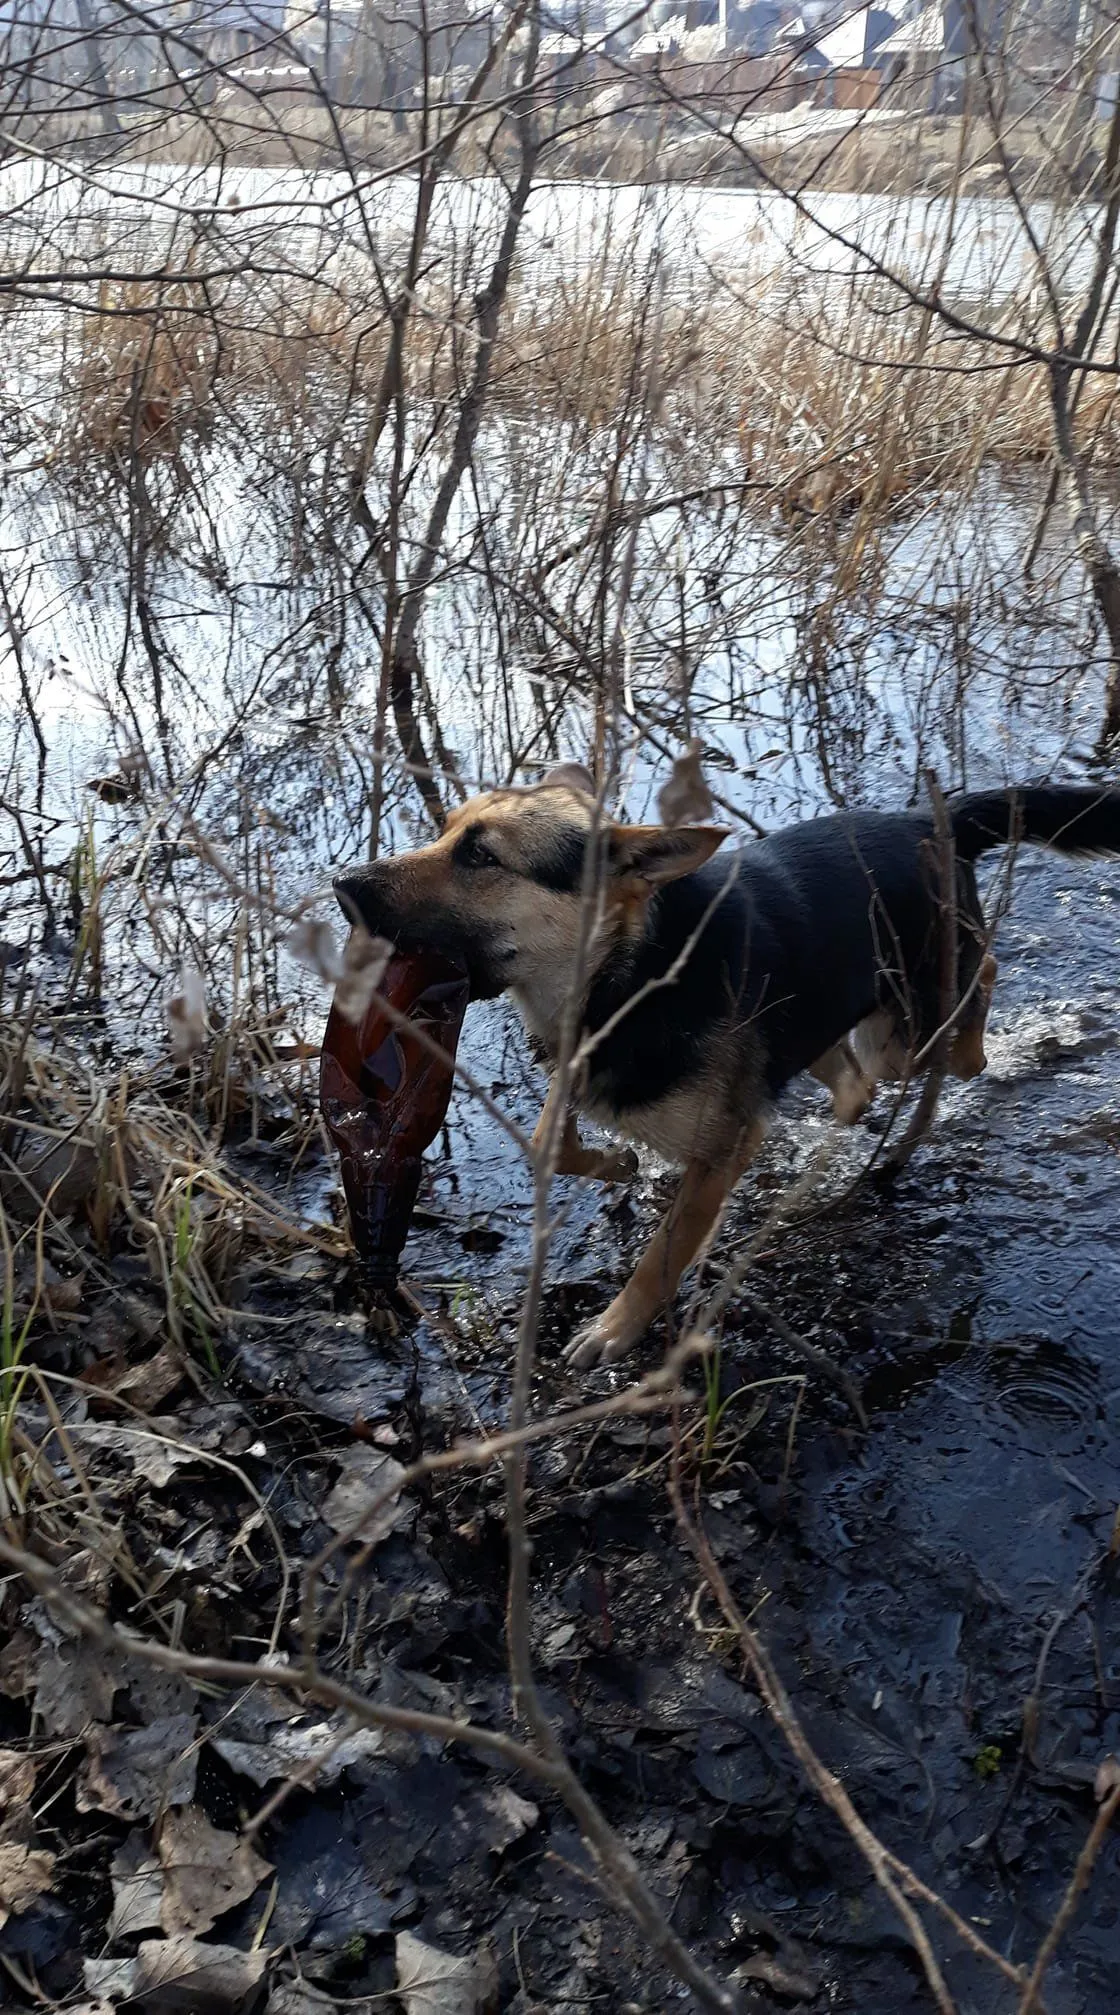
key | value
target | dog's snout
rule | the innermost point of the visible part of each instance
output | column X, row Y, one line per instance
column 361, row 895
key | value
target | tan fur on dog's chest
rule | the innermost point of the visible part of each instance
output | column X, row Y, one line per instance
column 696, row 1121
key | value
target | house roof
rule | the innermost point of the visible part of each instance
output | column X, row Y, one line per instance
column 926, row 33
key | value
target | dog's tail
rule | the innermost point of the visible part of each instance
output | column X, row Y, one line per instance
column 1074, row 818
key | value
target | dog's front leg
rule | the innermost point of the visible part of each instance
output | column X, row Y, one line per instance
column 851, row 1087
column 688, row 1225
column 601, row 1164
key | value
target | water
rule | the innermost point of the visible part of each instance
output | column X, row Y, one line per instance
column 116, row 216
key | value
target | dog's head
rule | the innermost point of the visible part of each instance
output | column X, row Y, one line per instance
column 502, row 888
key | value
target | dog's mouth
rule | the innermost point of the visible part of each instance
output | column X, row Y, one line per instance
column 367, row 897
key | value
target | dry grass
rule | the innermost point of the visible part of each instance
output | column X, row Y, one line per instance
column 826, row 414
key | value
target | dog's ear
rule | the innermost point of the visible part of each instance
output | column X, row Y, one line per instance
column 656, row 854
column 568, row 777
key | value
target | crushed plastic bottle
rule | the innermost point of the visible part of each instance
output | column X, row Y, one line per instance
column 384, row 1095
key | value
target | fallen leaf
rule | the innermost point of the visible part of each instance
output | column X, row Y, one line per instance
column 75, row 1689
column 17, row 1782
column 512, row 1816
column 209, row 1977
column 299, row 1997
column 151, row 1450
column 139, row 1772
column 794, row 1982
column 146, row 1385
column 367, row 1476
column 430, row 1982
column 137, row 1888
column 685, row 799
column 19, row 1659
column 332, row 1880
column 363, row 962
column 25, row 1873
column 110, row 1979
column 264, row 1739
column 314, row 944
column 208, row 1871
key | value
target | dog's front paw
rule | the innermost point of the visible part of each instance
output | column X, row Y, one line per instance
column 603, row 1340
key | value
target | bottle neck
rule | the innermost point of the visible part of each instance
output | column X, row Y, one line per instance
column 379, row 1271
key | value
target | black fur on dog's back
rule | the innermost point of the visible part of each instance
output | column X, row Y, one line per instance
column 806, row 934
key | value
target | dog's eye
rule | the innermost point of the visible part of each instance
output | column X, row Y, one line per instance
column 474, row 853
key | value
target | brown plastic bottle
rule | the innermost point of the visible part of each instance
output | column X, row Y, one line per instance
column 384, row 1095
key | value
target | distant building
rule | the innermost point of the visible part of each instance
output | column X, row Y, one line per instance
column 852, row 43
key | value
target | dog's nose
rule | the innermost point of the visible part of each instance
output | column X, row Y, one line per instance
column 359, row 894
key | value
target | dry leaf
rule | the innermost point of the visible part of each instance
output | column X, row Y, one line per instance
column 137, row 1888
column 263, row 1741
column 75, row 1688
column 513, row 1816
column 367, row 1477
column 139, row 1772
column 151, row 1454
column 685, row 799
column 208, row 1871
column 17, row 1782
column 299, row 1997
column 363, row 962
column 214, row 1977
column 355, row 973
column 186, row 1015
column 145, row 1385
column 110, row 1979
column 19, row 1660
column 784, row 1976
column 430, row 1982
column 25, row 1873
column 314, row 944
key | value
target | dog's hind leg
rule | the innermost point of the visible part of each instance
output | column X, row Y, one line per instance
column 852, row 1087
column 683, row 1232
column 967, row 1058
column 598, row 1164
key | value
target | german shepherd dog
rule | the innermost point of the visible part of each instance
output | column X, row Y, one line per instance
column 707, row 984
